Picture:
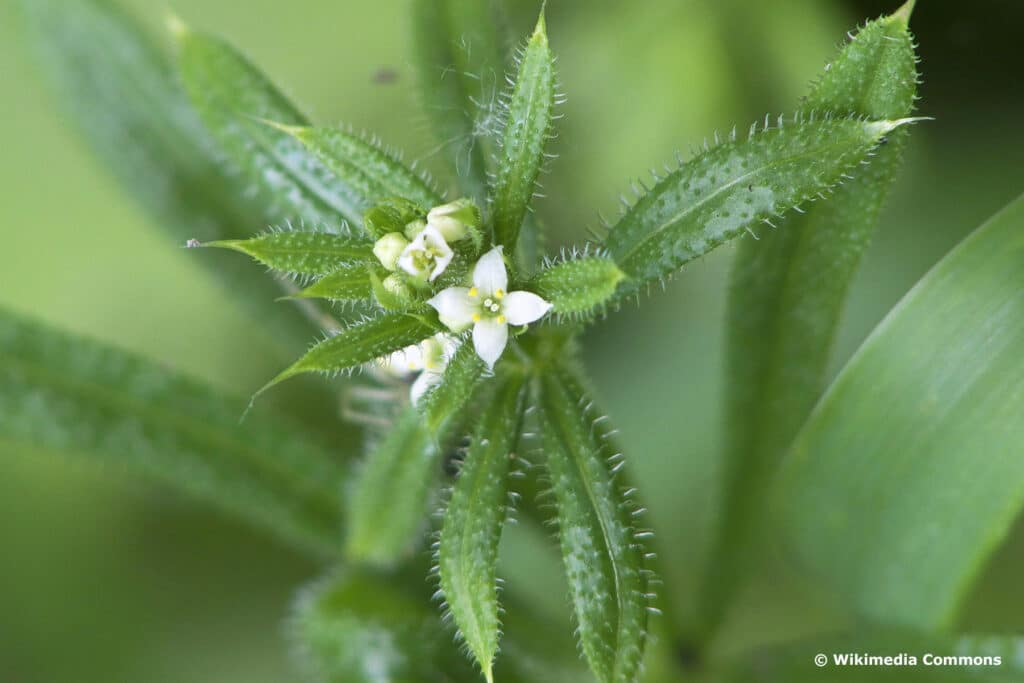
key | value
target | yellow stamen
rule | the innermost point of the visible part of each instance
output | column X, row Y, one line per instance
column 476, row 317
column 473, row 291
column 502, row 320
column 499, row 294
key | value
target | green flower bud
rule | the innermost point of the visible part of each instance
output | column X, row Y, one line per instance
column 455, row 220
column 388, row 248
column 413, row 229
column 391, row 215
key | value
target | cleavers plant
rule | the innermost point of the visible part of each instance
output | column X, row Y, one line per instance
column 444, row 290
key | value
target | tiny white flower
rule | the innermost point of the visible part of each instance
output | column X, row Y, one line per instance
column 488, row 307
column 388, row 248
column 427, row 360
column 426, row 256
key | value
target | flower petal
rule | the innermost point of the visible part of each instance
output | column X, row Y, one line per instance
column 427, row 380
column 489, row 339
column 454, row 307
column 522, row 308
column 489, row 275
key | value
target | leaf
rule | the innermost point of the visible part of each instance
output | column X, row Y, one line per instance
column 121, row 86
column 460, row 62
column 908, row 473
column 736, row 185
column 578, row 286
column 71, row 396
column 788, row 289
column 245, row 112
column 602, row 554
column 388, row 499
column 449, row 398
column 358, row 627
column 302, row 253
column 795, row 662
column 357, row 344
column 372, row 172
column 468, row 547
column 347, row 283
column 527, row 129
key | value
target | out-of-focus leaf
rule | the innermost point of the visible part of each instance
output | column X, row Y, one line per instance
column 387, row 503
column 908, row 473
column 459, row 381
column 74, row 397
column 301, row 252
column 460, row 59
column 527, row 128
column 123, row 92
column 357, row 344
column 735, row 186
column 788, row 290
column 371, row 171
column 467, row 551
column 245, row 112
column 976, row 659
column 603, row 557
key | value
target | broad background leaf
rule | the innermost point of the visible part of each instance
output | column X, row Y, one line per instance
column 911, row 462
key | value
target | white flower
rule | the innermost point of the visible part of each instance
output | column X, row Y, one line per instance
column 488, row 307
column 426, row 256
column 429, row 358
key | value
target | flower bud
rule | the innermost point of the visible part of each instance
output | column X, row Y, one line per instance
column 455, row 219
column 413, row 229
column 388, row 248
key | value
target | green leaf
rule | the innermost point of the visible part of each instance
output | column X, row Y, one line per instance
column 74, row 397
column 357, row 344
column 468, row 547
column 245, row 112
column 446, row 401
column 601, row 550
column 908, row 473
column 369, row 170
column 527, row 129
column 358, row 627
column 120, row 85
column 735, row 186
column 461, row 63
column 387, row 504
column 795, row 662
column 347, row 283
column 788, row 289
column 579, row 286
column 302, row 253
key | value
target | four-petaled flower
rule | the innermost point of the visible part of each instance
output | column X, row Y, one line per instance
column 429, row 359
column 427, row 255
column 488, row 307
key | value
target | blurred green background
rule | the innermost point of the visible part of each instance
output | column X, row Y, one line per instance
column 105, row 578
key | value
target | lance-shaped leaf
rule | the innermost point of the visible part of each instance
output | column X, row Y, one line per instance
column 245, row 112
column 73, row 397
column 123, row 91
column 577, row 287
column 737, row 185
column 527, row 128
column 603, row 556
column 460, row 379
column 950, row 659
column 461, row 64
column 301, row 252
column 371, row 171
column 788, row 289
column 467, row 551
column 347, row 283
column 908, row 473
column 387, row 503
column 359, row 343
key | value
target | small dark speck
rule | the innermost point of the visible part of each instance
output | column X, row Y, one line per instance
column 883, row 141
column 750, row 188
column 385, row 75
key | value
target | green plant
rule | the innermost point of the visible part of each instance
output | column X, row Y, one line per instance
column 457, row 290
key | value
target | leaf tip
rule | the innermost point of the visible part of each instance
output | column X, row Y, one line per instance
column 295, row 131
column 904, row 12
column 540, row 32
